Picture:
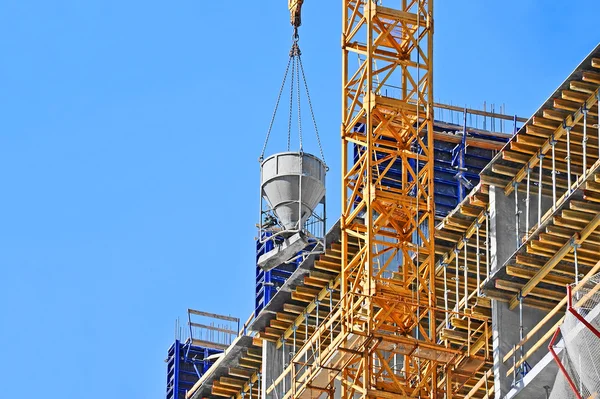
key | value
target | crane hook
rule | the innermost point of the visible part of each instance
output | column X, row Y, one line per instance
column 295, row 7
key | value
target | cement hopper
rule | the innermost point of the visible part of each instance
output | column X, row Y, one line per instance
column 291, row 181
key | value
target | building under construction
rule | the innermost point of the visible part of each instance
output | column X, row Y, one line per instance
column 466, row 259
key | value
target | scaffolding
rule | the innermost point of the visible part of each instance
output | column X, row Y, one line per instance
column 385, row 312
column 196, row 349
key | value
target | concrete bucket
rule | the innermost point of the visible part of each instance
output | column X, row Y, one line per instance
column 293, row 184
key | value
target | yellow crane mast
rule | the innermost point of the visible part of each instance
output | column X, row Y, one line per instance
column 388, row 285
column 382, row 340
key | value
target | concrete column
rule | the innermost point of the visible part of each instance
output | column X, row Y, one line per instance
column 503, row 236
column 272, row 367
column 505, row 327
column 337, row 386
column 503, row 244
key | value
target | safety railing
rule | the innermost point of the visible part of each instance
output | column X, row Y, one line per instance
column 466, row 269
column 308, row 356
column 574, row 155
column 561, row 164
column 312, row 315
column 580, row 344
column 244, row 329
column 206, row 329
column 343, row 336
column 518, row 355
column 474, row 243
column 305, row 364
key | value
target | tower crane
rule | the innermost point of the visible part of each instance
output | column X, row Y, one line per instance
column 382, row 340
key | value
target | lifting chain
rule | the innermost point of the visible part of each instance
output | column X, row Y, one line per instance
column 297, row 70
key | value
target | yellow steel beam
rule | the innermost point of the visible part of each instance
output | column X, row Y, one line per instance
column 576, row 239
column 557, row 134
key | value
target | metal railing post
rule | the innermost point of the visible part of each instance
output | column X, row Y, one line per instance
column 487, row 243
column 568, row 129
column 598, row 104
column 306, row 336
column 553, row 144
column 540, row 185
column 585, row 138
column 575, row 247
column 517, row 213
column 294, row 328
column 284, row 365
column 445, row 266
column 457, row 278
column 527, row 202
column 466, row 290
column 514, row 365
column 478, row 255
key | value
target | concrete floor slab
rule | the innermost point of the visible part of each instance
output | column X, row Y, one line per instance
column 230, row 358
column 284, row 294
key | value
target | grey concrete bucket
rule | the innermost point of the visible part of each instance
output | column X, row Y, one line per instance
column 293, row 184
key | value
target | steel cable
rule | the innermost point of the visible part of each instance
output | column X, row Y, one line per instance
column 287, row 69
column 297, row 69
column 312, row 114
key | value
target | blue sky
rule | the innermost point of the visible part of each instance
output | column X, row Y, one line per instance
column 129, row 138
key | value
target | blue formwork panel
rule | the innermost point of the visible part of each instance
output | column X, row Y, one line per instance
column 447, row 189
column 448, row 177
column 186, row 363
column 269, row 282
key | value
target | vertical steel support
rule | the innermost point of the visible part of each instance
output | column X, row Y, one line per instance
column 553, row 144
column 283, row 390
column 478, row 256
column 306, row 335
column 457, row 279
column 294, row 328
column 176, row 366
column 527, row 201
column 330, row 289
column 521, row 328
column 347, row 130
column 540, row 186
column 385, row 126
column 514, row 365
column 568, row 129
column 487, row 243
column 461, row 159
column 575, row 246
column 585, row 138
column 260, row 385
column 517, row 214
column 466, row 271
column 445, row 266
